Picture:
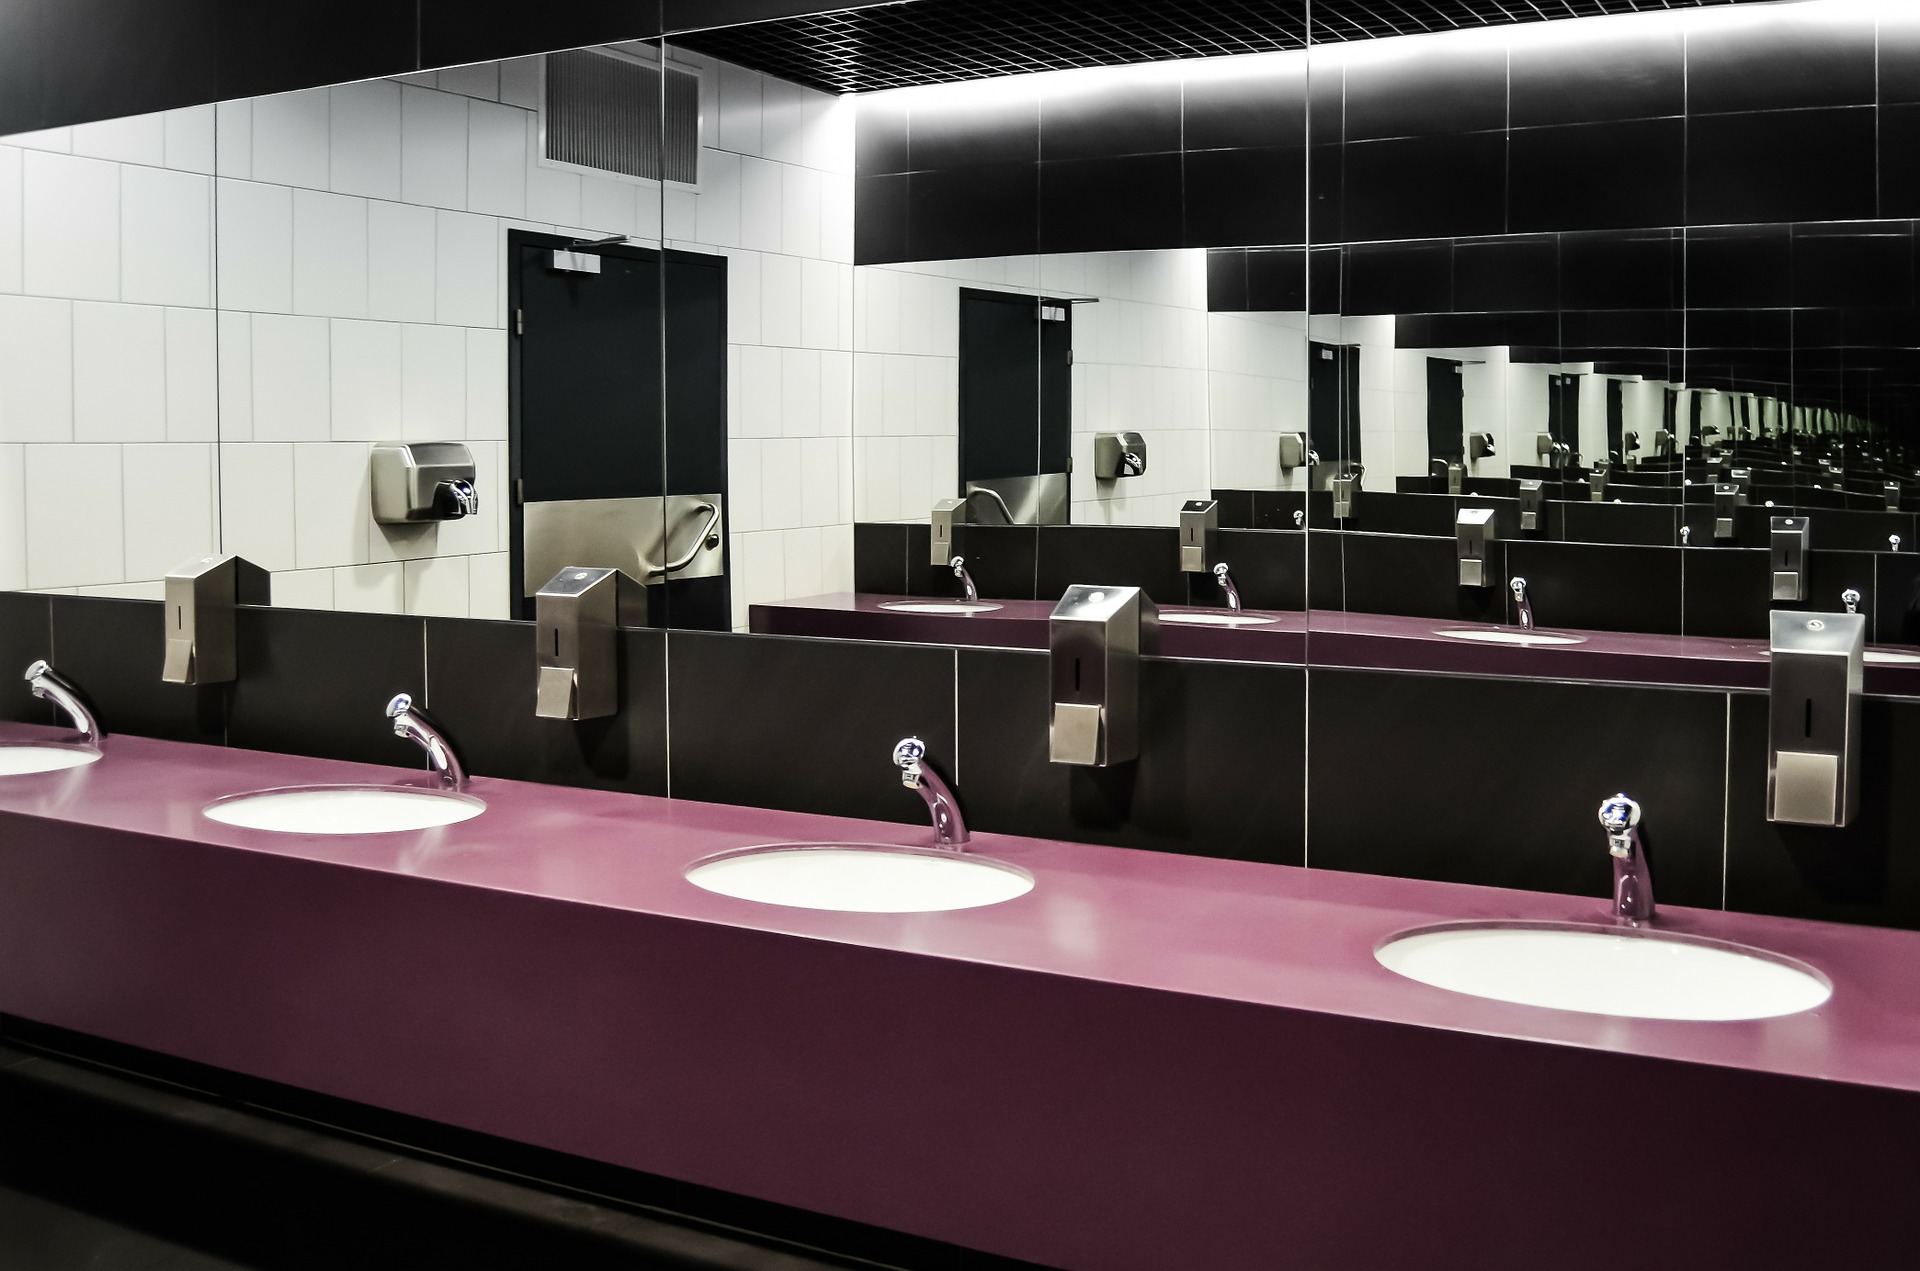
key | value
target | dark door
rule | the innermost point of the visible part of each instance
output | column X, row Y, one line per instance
column 1333, row 404
column 1563, row 411
column 1616, row 421
column 1446, row 411
column 1016, row 387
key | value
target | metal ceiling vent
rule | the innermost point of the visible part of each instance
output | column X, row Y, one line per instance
column 602, row 112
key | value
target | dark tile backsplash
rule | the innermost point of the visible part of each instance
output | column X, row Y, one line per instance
column 113, row 650
column 26, row 636
column 318, row 683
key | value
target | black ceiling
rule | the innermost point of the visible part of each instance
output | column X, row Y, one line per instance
column 943, row 41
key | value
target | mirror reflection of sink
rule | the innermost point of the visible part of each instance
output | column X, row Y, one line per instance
column 344, row 809
column 1220, row 619
column 1629, row 971
column 867, row 878
column 938, row 606
column 17, row 760
column 1508, row 635
column 1890, row 656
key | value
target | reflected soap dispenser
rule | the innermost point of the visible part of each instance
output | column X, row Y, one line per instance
column 198, row 609
column 1813, row 717
column 1096, row 638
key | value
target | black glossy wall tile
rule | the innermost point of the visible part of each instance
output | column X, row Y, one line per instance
column 1781, row 165
column 1899, row 175
column 1249, row 196
column 1004, row 130
column 881, row 226
column 1729, row 591
column 1899, row 57
column 880, row 558
column 1551, row 175
column 1425, row 187
column 1132, row 117
column 480, row 689
column 1650, row 525
column 113, row 650
column 1896, row 598
column 1867, row 872
column 1630, row 74
column 317, row 683
column 1131, row 203
column 1578, row 585
column 1327, row 571
column 1780, row 61
column 454, row 32
column 1147, row 557
column 881, row 128
column 1376, row 795
column 1450, row 88
column 1206, row 728
column 1257, row 109
column 1268, row 566
column 1739, row 266
column 1854, row 266
column 26, row 637
column 1410, row 277
column 1227, row 281
column 104, row 59
column 778, row 722
column 361, row 39
column 21, row 42
column 990, row 210
column 1415, row 577
column 1277, row 279
column 1001, row 558
column 1620, row 269
column 1385, row 513
column 1509, row 272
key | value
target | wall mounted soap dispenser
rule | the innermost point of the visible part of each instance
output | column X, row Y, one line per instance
column 1813, row 717
column 577, row 615
column 1787, row 549
column 1533, row 505
column 198, row 610
column 1198, row 518
column 1474, row 530
column 1096, row 637
column 1726, row 497
column 1119, row 454
column 422, row 481
column 1345, row 488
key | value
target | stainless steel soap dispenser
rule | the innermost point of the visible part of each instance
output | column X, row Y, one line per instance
column 1474, row 531
column 1097, row 636
column 198, row 609
column 1197, row 518
column 576, row 616
column 1787, row 541
column 1813, row 721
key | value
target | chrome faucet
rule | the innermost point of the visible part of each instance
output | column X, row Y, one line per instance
column 409, row 723
column 915, row 774
column 1632, row 882
column 986, row 492
column 1851, row 599
column 1519, row 586
column 1226, row 585
column 46, row 683
column 959, row 564
column 1893, row 542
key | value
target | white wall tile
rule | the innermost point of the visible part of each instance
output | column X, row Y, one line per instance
column 487, row 385
column 824, row 294
column 364, row 156
column 290, row 138
column 496, row 159
column 166, row 237
column 233, row 139
column 762, row 201
column 759, row 572
column 802, row 576
column 303, row 589
column 782, row 499
column 191, row 139
column 365, row 381
column 169, row 506
column 740, row 109
column 332, row 503
column 743, row 297
column 256, row 502
column 819, row 477
column 234, row 334
column 479, row 79
column 36, row 369
column 836, row 558
column 799, row 393
column 780, row 300
column 370, row 588
column 783, row 120
column 72, row 227
column 433, row 148
column 490, row 586
column 608, row 206
column 254, row 233
column 400, row 262
column 760, row 391
column 679, row 214
column 520, row 82
column 11, row 229
column 13, row 517
column 64, row 550
column 800, row 212
column 438, row 586
column 836, row 218
column 132, row 139
column 193, row 360
column 553, row 194
column 290, row 378
column 433, row 383
column 53, row 140
column 119, row 372
column 467, row 281
column 329, row 254
column 718, row 222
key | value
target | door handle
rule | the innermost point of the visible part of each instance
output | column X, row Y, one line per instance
column 699, row 541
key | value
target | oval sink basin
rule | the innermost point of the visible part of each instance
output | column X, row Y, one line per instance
column 938, row 606
column 1605, row 970
column 1508, row 635
column 1889, row 656
column 867, row 878
column 18, row 761
column 344, row 809
column 1216, row 619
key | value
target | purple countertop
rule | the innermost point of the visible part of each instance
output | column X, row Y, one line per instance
column 1069, row 1077
column 1333, row 638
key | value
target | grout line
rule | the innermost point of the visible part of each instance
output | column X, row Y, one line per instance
column 1726, row 801
column 956, row 715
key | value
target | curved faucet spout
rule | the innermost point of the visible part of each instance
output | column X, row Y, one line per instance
column 1632, row 880
column 1519, row 586
column 959, row 564
column 49, row 685
column 916, row 774
column 987, row 492
column 1226, row 585
column 410, row 724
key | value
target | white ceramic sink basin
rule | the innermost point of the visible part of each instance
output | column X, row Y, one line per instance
column 1508, row 635
column 1216, row 619
column 344, row 809
column 866, row 878
column 18, row 761
column 938, row 606
column 1890, row 656
column 1606, row 970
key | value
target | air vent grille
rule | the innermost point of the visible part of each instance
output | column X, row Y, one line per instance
column 604, row 111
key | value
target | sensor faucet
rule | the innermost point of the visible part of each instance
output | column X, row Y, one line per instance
column 959, row 564
column 410, row 724
column 1851, row 599
column 47, row 684
column 1226, row 585
column 1519, row 586
column 948, row 829
column 1632, row 882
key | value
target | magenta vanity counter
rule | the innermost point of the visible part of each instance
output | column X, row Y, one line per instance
column 1149, row 1061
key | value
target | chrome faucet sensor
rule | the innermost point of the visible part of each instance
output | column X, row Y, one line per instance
column 49, row 685
column 918, row 775
column 967, row 588
column 1632, row 881
column 1226, row 585
column 410, row 724
column 1519, row 587
column 1851, row 599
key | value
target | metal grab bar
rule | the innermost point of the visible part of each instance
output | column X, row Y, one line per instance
column 699, row 541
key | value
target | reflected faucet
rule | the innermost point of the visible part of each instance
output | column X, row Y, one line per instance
column 959, row 564
column 1519, row 587
column 410, row 724
column 981, row 491
column 1226, row 585
column 1632, row 882
column 47, row 684
column 915, row 774
column 1851, row 599
column 1893, row 542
